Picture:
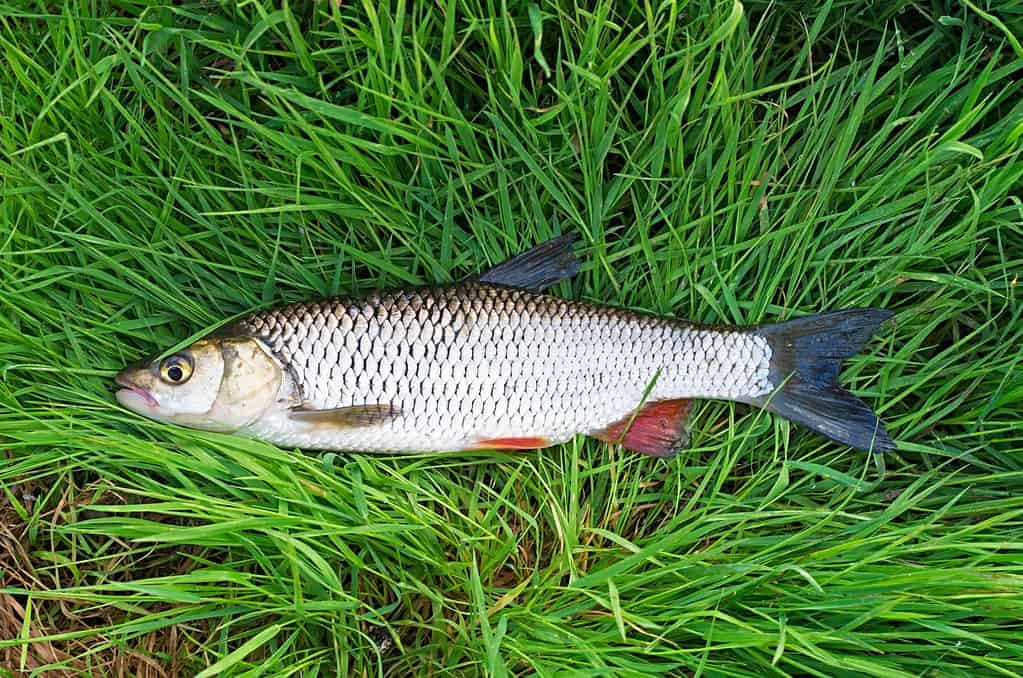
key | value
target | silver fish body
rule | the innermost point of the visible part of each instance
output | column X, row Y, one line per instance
column 493, row 362
column 470, row 363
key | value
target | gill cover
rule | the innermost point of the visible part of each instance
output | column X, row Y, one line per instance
column 250, row 383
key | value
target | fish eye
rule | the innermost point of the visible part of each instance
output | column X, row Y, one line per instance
column 176, row 369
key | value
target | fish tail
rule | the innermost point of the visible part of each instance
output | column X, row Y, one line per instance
column 806, row 356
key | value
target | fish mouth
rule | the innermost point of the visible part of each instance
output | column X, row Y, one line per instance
column 133, row 395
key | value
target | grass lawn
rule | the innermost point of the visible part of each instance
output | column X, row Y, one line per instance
column 163, row 169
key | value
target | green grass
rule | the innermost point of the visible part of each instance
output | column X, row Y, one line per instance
column 163, row 169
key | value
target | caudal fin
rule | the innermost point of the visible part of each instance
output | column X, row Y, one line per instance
column 807, row 354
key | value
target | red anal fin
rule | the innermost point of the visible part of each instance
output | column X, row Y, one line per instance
column 659, row 429
column 511, row 444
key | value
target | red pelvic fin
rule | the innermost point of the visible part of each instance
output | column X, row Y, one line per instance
column 511, row 444
column 659, row 429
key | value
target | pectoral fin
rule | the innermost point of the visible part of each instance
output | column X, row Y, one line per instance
column 347, row 417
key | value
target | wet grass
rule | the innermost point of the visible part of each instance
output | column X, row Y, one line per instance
column 164, row 168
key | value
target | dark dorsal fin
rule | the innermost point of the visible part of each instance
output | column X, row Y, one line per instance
column 538, row 268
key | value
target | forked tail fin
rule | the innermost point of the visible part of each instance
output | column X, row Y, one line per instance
column 806, row 356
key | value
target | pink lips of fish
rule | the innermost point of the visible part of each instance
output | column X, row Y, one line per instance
column 133, row 396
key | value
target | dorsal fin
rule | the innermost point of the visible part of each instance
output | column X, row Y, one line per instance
column 538, row 268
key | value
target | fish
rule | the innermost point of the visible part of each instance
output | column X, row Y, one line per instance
column 495, row 362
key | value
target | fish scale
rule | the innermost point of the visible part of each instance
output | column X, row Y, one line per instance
column 475, row 362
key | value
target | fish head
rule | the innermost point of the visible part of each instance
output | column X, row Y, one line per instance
column 220, row 384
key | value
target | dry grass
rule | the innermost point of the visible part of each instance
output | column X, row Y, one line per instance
column 67, row 632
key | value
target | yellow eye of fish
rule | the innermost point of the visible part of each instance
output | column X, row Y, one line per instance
column 176, row 369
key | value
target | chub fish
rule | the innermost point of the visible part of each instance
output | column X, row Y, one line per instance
column 494, row 363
